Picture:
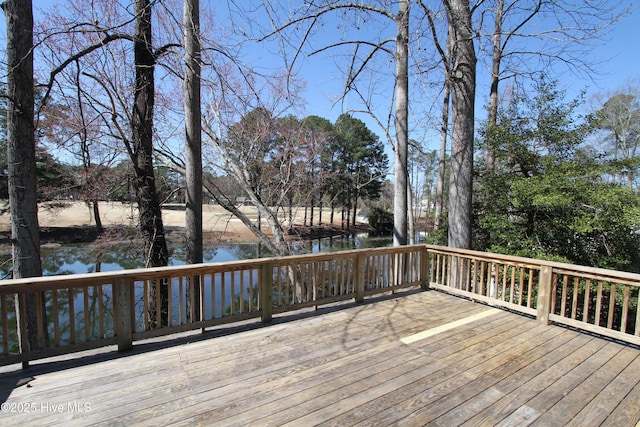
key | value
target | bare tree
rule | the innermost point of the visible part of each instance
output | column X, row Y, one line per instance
column 193, row 144
column 125, row 105
column 618, row 119
column 23, row 206
column 445, row 58
column 463, row 86
column 401, row 176
column 193, row 138
column 151, row 225
column 534, row 36
column 311, row 14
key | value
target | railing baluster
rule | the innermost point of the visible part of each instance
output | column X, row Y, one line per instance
column 181, row 303
column 530, row 289
column 480, row 279
column 612, row 305
column 563, row 303
column 587, row 301
column 146, row 303
column 359, row 275
column 241, row 273
column 5, row 324
column 598, row 304
column 512, row 284
column 505, row 272
column 86, row 317
column 100, row 309
column 520, row 284
column 251, row 290
column 56, row 320
column 574, row 304
column 72, row 317
column 214, row 312
column 233, row 292
column 625, row 308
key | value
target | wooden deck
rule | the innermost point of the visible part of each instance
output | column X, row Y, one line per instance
column 415, row 358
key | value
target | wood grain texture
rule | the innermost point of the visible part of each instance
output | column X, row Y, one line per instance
column 344, row 365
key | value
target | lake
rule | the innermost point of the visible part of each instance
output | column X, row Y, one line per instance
column 85, row 258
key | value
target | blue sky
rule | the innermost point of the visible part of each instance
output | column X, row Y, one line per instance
column 618, row 51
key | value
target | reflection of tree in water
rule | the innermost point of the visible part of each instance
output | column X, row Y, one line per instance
column 249, row 301
column 96, row 323
column 250, row 251
column 75, row 259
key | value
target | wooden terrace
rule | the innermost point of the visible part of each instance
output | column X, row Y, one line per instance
column 414, row 358
column 408, row 356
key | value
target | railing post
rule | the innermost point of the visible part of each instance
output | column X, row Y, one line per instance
column 424, row 268
column 361, row 260
column 544, row 294
column 266, row 292
column 123, row 302
column 21, row 326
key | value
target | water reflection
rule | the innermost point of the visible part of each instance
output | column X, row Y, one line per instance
column 91, row 309
column 79, row 258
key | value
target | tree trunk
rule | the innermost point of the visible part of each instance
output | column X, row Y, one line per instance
column 411, row 226
column 444, row 131
column 356, row 198
column 193, row 147
column 400, row 207
column 193, row 131
column 463, row 85
column 96, row 216
column 333, row 211
column 21, row 165
column 255, row 229
column 290, row 215
column 306, row 210
column 492, row 116
column 151, row 225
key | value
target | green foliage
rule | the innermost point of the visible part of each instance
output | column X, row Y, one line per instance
column 381, row 220
column 549, row 197
column 359, row 161
column 54, row 179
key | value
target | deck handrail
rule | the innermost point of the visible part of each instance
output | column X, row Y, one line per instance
column 84, row 311
column 592, row 299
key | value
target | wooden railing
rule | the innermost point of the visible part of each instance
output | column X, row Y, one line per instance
column 592, row 299
column 79, row 312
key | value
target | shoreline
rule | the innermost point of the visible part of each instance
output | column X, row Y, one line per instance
column 71, row 222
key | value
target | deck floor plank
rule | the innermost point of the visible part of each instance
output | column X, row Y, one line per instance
column 602, row 406
column 627, row 413
column 344, row 365
column 441, row 383
column 513, row 405
column 351, row 389
column 579, row 396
